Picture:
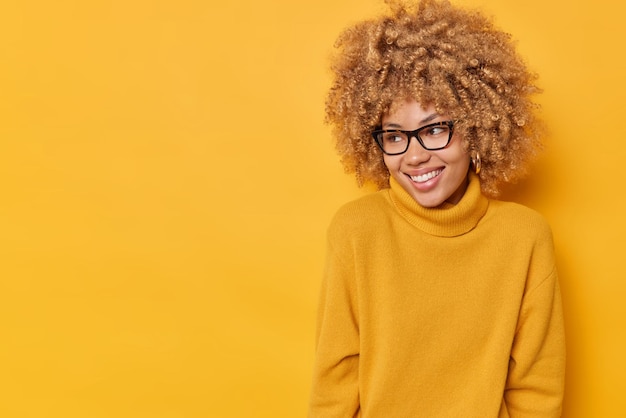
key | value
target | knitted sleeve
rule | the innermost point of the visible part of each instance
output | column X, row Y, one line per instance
column 335, row 391
column 537, row 364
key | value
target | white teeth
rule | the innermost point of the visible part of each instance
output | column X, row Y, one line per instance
column 425, row 177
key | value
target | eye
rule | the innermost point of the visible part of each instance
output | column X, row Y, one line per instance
column 393, row 137
column 436, row 131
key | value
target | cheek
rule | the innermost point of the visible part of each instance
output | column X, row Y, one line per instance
column 458, row 156
column 462, row 162
column 464, row 158
column 390, row 162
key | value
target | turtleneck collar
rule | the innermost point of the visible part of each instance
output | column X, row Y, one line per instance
column 446, row 220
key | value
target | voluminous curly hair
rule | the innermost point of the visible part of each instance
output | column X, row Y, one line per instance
column 439, row 54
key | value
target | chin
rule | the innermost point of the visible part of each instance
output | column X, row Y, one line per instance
column 430, row 203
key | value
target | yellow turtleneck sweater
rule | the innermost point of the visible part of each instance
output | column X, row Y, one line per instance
column 445, row 312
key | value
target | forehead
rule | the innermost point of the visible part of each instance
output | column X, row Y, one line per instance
column 407, row 111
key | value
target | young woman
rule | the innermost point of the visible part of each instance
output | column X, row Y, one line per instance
column 437, row 299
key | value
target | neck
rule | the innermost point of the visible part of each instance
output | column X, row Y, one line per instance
column 449, row 219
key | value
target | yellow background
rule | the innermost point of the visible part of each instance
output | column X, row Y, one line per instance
column 167, row 179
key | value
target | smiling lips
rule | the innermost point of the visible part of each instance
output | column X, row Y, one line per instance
column 427, row 176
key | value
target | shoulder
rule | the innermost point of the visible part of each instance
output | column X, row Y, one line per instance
column 525, row 237
column 357, row 215
column 520, row 218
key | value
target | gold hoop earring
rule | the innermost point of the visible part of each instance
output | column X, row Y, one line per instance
column 476, row 163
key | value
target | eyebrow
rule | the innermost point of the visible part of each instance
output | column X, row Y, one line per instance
column 424, row 121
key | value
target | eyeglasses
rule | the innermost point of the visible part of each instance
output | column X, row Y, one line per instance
column 432, row 137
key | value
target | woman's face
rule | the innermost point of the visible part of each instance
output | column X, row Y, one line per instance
column 430, row 177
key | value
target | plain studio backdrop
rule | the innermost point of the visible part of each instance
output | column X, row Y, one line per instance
column 167, row 179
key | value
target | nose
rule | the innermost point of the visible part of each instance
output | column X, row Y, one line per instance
column 416, row 154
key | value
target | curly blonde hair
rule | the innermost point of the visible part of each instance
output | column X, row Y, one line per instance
column 437, row 54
